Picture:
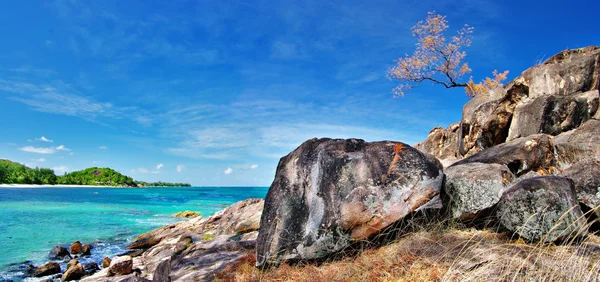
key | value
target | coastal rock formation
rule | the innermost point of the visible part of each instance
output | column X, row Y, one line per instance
column 329, row 193
column 45, row 270
column 193, row 250
column 72, row 263
column 86, row 250
column 75, row 248
column 106, row 262
column 59, row 253
column 542, row 209
column 474, row 187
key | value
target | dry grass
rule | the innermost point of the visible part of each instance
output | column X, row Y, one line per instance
column 442, row 255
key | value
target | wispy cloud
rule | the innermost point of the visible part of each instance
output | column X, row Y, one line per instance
column 180, row 168
column 60, row 169
column 40, row 160
column 254, row 166
column 44, row 139
column 102, row 147
column 31, row 149
column 62, row 148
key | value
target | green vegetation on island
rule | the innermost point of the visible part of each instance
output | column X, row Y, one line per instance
column 16, row 173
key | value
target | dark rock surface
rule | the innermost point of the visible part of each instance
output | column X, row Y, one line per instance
column 542, row 209
column 582, row 143
column 45, row 270
column 330, row 192
column 59, row 253
column 474, row 187
column 522, row 155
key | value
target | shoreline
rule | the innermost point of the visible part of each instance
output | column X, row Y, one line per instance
column 60, row 186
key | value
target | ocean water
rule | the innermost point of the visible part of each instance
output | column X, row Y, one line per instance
column 34, row 220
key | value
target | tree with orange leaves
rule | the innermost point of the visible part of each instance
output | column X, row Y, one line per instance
column 440, row 60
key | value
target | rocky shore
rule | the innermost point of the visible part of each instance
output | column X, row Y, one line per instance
column 523, row 161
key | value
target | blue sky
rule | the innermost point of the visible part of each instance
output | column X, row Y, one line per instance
column 214, row 92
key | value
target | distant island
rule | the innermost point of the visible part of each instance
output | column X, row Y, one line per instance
column 16, row 173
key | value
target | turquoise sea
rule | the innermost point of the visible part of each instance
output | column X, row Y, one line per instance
column 34, row 220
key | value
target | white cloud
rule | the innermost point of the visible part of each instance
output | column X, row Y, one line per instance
column 254, row 166
column 32, row 149
column 159, row 166
column 44, row 139
column 60, row 169
column 142, row 170
column 180, row 168
column 40, row 160
column 71, row 153
column 228, row 170
column 62, row 148
column 102, row 147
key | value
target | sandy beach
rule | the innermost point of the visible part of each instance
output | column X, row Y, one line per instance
column 56, row 186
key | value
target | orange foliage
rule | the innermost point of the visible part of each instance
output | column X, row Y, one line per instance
column 439, row 59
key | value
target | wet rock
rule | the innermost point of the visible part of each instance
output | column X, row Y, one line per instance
column 586, row 176
column 120, row 266
column 86, row 250
column 329, row 193
column 106, row 262
column 578, row 144
column 441, row 143
column 59, row 253
column 75, row 248
column 74, row 273
column 45, row 270
column 91, row 267
column 522, row 155
column 474, row 187
column 542, row 209
column 187, row 214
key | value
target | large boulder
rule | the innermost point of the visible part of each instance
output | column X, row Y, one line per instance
column 329, row 193
column 582, row 143
column 120, row 266
column 522, row 155
column 441, row 143
column 586, row 176
column 552, row 114
column 73, row 273
column 542, row 209
column 568, row 72
column 474, row 187
column 45, row 270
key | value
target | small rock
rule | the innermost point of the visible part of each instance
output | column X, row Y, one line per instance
column 59, row 253
column 120, row 266
column 187, row 214
column 73, row 273
column 76, row 247
column 45, row 270
column 542, row 209
column 86, row 250
column 106, row 262
column 91, row 267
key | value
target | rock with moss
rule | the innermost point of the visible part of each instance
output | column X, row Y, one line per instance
column 586, row 177
column 187, row 214
column 542, row 209
column 472, row 188
column 329, row 193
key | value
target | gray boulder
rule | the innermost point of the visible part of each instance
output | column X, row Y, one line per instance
column 579, row 144
column 474, row 187
column 542, row 209
column 329, row 193
column 522, row 155
column 586, row 176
